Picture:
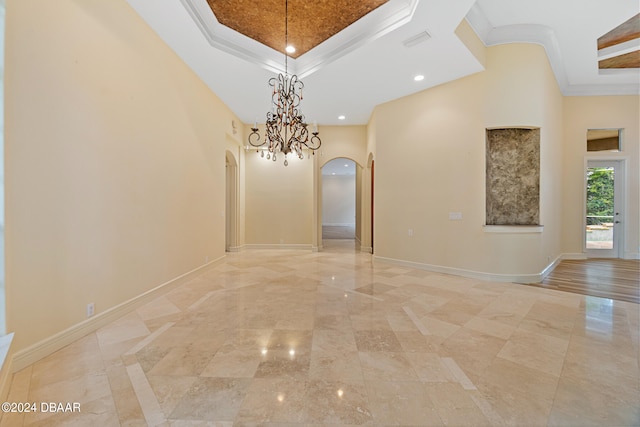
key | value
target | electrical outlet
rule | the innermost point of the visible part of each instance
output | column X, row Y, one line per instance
column 455, row 216
column 91, row 309
column 410, row 232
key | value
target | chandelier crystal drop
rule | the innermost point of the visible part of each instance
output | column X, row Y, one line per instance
column 286, row 130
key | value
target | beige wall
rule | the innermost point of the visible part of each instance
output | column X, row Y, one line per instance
column 599, row 112
column 279, row 200
column 115, row 178
column 343, row 141
column 430, row 160
column 284, row 204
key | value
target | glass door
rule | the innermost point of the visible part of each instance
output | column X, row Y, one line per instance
column 603, row 222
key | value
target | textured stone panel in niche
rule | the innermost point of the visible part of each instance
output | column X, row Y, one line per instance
column 513, row 176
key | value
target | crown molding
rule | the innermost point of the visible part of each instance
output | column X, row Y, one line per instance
column 230, row 41
column 379, row 22
column 546, row 37
column 372, row 26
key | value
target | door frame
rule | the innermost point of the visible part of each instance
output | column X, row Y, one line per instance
column 232, row 200
column 357, row 197
column 620, row 205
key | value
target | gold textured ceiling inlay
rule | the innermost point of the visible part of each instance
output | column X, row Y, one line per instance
column 310, row 22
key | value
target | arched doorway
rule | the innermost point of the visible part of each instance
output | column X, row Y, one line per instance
column 363, row 203
column 339, row 199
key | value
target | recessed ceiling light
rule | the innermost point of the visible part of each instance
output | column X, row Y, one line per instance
column 341, row 117
column 290, row 49
column 418, row 78
column 346, row 166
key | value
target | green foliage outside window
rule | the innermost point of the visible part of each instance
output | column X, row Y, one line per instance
column 599, row 195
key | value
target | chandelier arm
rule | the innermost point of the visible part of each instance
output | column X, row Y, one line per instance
column 254, row 138
column 315, row 142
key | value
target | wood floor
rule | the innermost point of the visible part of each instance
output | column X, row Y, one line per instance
column 617, row 279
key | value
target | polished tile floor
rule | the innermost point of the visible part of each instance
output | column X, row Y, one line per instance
column 293, row 338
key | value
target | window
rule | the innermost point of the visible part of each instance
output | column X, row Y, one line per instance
column 603, row 139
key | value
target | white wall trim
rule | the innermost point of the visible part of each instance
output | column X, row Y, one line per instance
column 366, row 249
column 546, row 37
column 278, row 246
column 297, row 246
column 496, row 277
column 632, row 255
column 519, row 278
column 549, row 268
column 577, row 256
column 513, row 229
column 339, row 224
column 370, row 27
column 47, row 346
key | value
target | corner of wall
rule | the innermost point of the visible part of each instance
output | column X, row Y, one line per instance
column 6, row 365
column 470, row 39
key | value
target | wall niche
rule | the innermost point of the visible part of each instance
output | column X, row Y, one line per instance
column 513, row 176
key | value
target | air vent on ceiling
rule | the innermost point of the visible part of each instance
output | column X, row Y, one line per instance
column 417, row 39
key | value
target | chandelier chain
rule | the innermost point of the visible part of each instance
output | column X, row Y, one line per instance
column 286, row 114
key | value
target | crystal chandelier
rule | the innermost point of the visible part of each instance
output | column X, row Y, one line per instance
column 286, row 129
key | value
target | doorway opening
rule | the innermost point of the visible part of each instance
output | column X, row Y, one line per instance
column 603, row 231
column 339, row 200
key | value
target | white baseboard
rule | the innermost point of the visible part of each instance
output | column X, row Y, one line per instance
column 274, row 246
column 25, row 357
column 513, row 278
column 278, row 246
column 549, row 268
column 578, row 256
column 367, row 249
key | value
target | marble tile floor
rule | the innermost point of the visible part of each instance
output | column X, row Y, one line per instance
column 294, row 338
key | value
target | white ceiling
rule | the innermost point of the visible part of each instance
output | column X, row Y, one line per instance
column 368, row 63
